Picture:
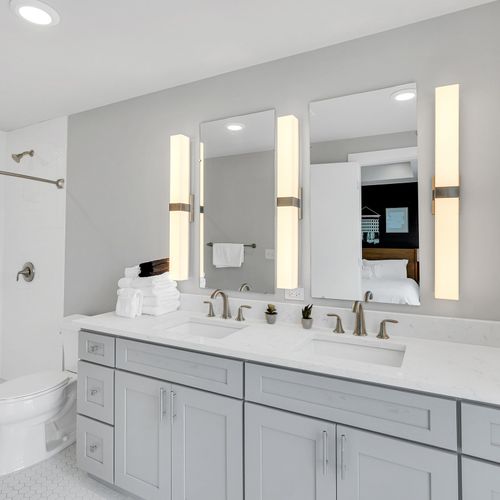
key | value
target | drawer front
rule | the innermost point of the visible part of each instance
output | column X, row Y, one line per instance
column 94, row 448
column 97, row 348
column 96, row 386
column 480, row 480
column 416, row 417
column 224, row 376
column 481, row 431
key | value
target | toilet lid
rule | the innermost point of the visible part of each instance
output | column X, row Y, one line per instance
column 32, row 385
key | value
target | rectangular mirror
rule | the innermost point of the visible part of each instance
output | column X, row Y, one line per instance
column 237, row 203
column 364, row 197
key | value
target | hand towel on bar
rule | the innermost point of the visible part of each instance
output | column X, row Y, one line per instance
column 228, row 254
column 158, row 311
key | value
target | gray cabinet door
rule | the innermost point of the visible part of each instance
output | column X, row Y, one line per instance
column 142, row 436
column 288, row 456
column 480, row 480
column 207, row 446
column 372, row 467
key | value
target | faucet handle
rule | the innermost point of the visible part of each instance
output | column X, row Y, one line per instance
column 382, row 333
column 211, row 313
column 240, row 316
column 368, row 295
column 338, row 327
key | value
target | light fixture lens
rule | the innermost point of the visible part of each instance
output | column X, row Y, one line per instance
column 235, row 127
column 404, row 95
column 35, row 12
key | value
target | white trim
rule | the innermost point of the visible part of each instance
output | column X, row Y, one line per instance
column 384, row 157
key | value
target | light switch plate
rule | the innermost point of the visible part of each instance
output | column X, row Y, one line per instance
column 294, row 294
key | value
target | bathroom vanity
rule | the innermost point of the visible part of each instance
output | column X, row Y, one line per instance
column 166, row 412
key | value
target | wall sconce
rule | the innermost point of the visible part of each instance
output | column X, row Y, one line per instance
column 202, row 215
column 288, row 202
column 446, row 193
column 181, row 206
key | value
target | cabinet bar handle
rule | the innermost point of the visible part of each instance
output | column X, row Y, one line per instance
column 162, row 403
column 325, row 453
column 172, row 405
column 342, row 452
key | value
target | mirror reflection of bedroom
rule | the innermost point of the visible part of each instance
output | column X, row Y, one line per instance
column 364, row 197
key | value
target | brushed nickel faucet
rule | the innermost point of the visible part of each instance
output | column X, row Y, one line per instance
column 240, row 316
column 360, row 323
column 382, row 333
column 226, row 311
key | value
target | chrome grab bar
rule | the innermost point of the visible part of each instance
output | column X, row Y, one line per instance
column 59, row 183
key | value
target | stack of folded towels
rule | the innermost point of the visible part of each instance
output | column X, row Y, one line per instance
column 147, row 289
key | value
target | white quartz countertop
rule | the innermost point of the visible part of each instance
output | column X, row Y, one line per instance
column 451, row 369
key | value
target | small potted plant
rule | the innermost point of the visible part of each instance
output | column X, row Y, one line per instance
column 307, row 320
column 271, row 314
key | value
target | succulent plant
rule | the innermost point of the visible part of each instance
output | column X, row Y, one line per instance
column 271, row 309
column 307, row 311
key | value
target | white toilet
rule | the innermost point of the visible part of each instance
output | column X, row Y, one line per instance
column 38, row 411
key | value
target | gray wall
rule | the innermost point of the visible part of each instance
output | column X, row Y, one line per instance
column 337, row 151
column 239, row 208
column 118, row 155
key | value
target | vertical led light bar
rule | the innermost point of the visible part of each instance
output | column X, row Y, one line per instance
column 446, row 192
column 288, row 202
column 180, row 206
column 202, row 215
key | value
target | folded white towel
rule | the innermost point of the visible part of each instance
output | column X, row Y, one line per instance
column 129, row 303
column 168, row 294
column 132, row 272
column 228, row 254
column 157, row 311
column 155, row 280
column 154, row 301
column 139, row 283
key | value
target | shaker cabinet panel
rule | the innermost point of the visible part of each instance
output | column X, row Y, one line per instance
column 207, row 446
column 142, row 436
column 480, row 480
column 287, row 456
column 372, row 467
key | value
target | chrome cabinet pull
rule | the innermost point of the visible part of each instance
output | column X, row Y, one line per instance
column 172, row 405
column 325, row 453
column 342, row 453
column 162, row 403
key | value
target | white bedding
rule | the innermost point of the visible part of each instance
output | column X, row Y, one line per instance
column 393, row 291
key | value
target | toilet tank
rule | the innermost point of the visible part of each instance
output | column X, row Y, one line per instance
column 69, row 333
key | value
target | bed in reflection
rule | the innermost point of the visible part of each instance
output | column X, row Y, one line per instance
column 392, row 275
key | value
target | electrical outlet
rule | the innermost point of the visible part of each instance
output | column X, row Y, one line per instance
column 294, row 294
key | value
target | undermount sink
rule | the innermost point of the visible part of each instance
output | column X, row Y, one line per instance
column 195, row 329
column 388, row 355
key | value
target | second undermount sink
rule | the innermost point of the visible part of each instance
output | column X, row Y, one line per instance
column 197, row 329
column 388, row 355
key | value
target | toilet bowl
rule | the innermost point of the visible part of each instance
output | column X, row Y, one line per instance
column 37, row 418
column 38, row 411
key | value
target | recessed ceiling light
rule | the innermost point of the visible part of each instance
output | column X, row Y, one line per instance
column 235, row 127
column 404, row 95
column 35, row 12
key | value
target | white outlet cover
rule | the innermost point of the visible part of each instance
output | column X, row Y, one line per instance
column 294, row 294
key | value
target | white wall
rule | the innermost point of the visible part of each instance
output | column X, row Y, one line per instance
column 118, row 154
column 34, row 224
column 3, row 146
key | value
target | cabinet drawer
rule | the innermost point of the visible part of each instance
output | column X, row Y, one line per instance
column 481, row 431
column 97, row 348
column 96, row 391
column 480, row 480
column 94, row 448
column 224, row 376
column 416, row 417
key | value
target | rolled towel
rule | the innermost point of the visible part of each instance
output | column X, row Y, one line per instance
column 125, row 283
column 132, row 272
column 158, row 311
column 129, row 303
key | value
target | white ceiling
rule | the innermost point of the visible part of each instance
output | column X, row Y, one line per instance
column 362, row 115
column 105, row 51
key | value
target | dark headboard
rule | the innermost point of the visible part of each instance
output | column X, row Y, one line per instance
column 411, row 254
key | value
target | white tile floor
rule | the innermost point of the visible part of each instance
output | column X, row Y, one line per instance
column 55, row 479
